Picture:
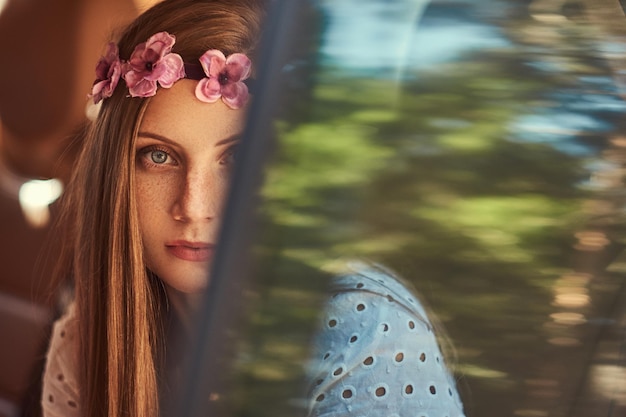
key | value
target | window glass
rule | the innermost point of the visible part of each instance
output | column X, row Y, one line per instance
column 474, row 148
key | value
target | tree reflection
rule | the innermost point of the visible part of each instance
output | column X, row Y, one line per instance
column 471, row 180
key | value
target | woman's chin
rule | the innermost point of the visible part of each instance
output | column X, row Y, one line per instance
column 191, row 286
column 188, row 280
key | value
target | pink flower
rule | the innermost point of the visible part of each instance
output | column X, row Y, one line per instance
column 153, row 61
column 224, row 79
column 108, row 72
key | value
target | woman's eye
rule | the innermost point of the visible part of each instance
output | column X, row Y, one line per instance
column 158, row 157
column 230, row 156
column 151, row 156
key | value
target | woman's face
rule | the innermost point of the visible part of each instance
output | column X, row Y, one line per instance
column 184, row 157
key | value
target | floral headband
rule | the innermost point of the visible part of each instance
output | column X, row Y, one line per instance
column 153, row 62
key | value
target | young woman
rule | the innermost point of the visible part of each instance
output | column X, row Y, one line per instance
column 144, row 206
column 142, row 215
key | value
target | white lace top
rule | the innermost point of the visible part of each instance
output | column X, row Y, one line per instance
column 60, row 394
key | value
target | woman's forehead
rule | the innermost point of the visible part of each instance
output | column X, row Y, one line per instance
column 177, row 114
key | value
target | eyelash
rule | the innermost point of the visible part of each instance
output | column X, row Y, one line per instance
column 230, row 152
column 145, row 156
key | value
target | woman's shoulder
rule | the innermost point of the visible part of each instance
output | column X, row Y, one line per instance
column 377, row 351
column 60, row 396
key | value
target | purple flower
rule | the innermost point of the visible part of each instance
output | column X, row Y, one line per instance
column 153, row 61
column 224, row 79
column 108, row 72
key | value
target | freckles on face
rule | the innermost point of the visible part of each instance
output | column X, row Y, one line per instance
column 156, row 190
column 184, row 155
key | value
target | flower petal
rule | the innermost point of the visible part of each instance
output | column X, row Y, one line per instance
column 157, row 71
column 150, row 56
column 161, row 43
column 238, row 67
column 208, row 90
column 115, row 71
column 102, row 69
column 235, row 95
column 113, row 78
column 112, row 54
column 132, row 78
column 96, row 91
column 173, row 70
column 136, row 60
column 108, row 73
column 213, row 62
column 104, row 64
column 143, row 88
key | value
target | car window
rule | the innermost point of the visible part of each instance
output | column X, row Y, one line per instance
column 473, row 147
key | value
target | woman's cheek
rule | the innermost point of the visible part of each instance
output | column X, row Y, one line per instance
column 156, row 193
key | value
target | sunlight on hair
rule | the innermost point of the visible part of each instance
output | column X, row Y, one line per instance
column 35, row 196
column 3, row 4
column 142, row 4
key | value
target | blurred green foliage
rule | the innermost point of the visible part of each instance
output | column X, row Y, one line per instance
column 428, row 176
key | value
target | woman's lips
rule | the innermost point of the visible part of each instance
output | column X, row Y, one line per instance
column 190, row 251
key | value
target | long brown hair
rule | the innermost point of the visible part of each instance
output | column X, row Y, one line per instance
column 119, row 302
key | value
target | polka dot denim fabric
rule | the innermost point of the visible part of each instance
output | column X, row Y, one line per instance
column 376, row 354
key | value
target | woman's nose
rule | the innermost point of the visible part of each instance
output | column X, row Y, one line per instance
column 200, row 197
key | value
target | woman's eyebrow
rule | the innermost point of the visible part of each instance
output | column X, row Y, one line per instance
column 229, row 139
column 156, row 136
column 233, row 138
